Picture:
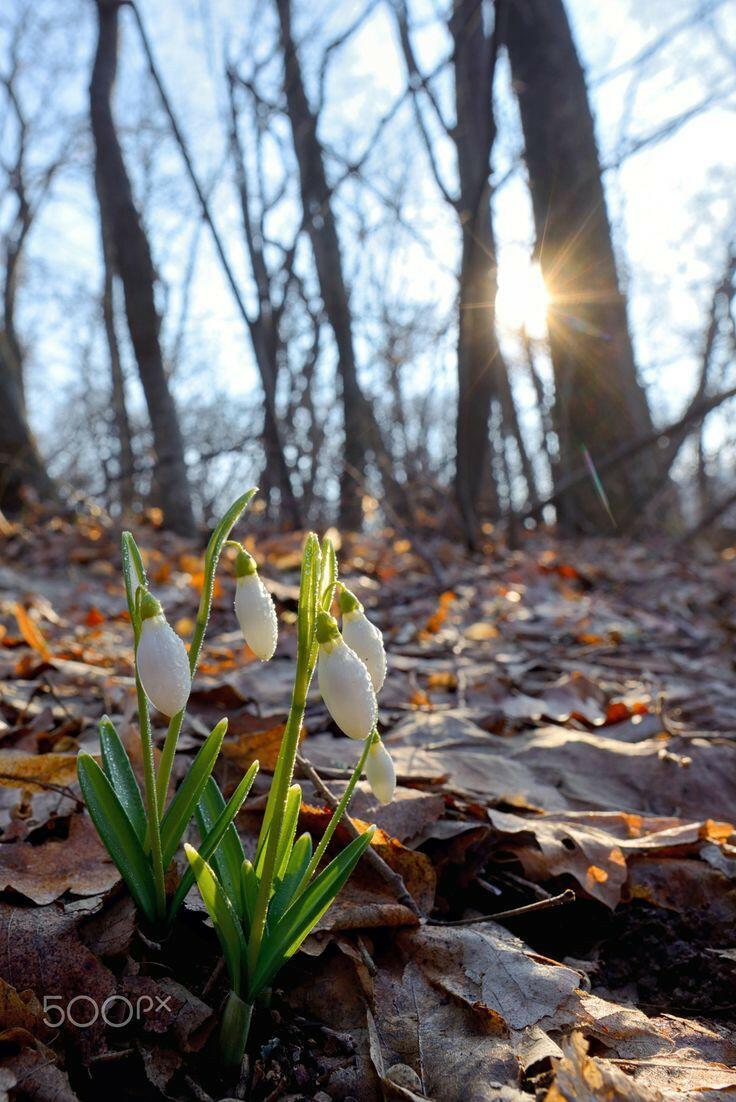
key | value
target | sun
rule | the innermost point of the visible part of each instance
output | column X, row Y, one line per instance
column 522, row 299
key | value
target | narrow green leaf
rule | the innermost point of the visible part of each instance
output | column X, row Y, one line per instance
column 288, row 829
column 301, row 918
column 117, row 833
column 224, row 918
column 181, row 808
column 228, row 853
column 328, row 580
column 228, row 856
column 221, row 828
column 306, row 613
column 301, row 855
column 249, row 882
column 119, row 772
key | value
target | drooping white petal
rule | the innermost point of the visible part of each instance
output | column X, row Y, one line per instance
column 367, row 641
column 163, row 666
column 380, row 773
column 346, row 689
column 256, row 615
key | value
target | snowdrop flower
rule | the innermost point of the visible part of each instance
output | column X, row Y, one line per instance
column 254, row 608
column 344, row 681
column 162, row 660
column 363, row 637
column 380, row 772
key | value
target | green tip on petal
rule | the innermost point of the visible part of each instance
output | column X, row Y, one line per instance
column 327, row 629
column 348, row 602
column 149, row 606
column 245, row 564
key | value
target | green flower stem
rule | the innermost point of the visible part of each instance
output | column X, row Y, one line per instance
column 335, row 819
column 149, row 774
column 280, row 790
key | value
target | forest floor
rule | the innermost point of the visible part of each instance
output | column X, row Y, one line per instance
column 561, row 717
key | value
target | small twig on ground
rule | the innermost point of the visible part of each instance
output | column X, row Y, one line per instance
column 377, row 863
column 568, row 896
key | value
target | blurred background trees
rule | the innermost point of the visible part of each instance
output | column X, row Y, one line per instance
column 460, row 264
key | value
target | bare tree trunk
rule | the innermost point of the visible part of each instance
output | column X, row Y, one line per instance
column 119, row 408
column 599, row 403
column 479, row 363
column 512, row 426
column 134, row 265
column 479, row 360
column 21, row 466
column 362, row 432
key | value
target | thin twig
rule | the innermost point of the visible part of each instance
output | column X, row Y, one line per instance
column 393, row 879
column 568, row 896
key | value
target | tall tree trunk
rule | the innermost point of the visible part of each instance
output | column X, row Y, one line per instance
column 134, row 265
column 599, row 401
column 117, row 380
column 362, row 432
column 479, row 359
column 21, row 466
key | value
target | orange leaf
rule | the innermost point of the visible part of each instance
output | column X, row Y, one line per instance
column 262, row 746
column 434, row 623
column 31, row 633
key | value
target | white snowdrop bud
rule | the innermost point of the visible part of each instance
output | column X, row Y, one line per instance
column 344, row 682
column 162, row 660
column 255, row 609
column 380, row 772
column 363, row 637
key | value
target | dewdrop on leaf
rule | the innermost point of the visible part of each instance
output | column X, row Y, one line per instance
column 380, row 772
column 363, row 637
column 254, row 608
column 162, row 660
column 344, row 681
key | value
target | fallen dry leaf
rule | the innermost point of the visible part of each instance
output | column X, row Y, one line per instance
column 31, row 633
column 79, row 864
column 36, row 771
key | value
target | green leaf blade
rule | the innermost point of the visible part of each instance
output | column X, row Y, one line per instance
column 224, row 919
column 181, row 809
column 288, row 830
column 118, row 770
column 301, row 855
column 117, row 834
column 214, row 839
column 301, row 918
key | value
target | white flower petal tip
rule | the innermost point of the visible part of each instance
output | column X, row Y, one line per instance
column 367, row 641
column 256, row 615
column 346, row 689
column 163, row 666
column 380, row 773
